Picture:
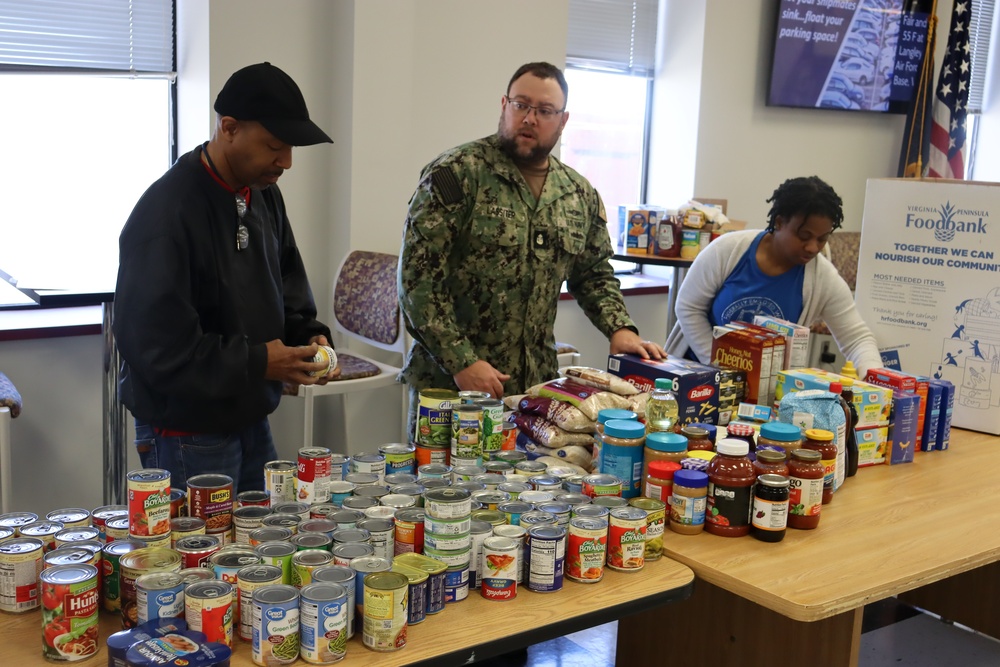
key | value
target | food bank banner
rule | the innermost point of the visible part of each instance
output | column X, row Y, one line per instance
column 929, row 286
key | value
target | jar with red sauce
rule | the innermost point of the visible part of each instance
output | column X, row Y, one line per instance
column 697, row 439
column 805, row 494
column 770, row 462
column 730, row 489
column 821, row 441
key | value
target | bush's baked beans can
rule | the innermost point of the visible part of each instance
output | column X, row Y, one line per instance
column 385, row 611
column 100, row 515
column 210, row 497
column 279, row 481
column 72, row 517
column 133, row 565
column 45, row 531
column 110, row 563
column 278, row 554
column 602, row 485
column 195, row 550
column 313, row 481
column 436, row 574
column 300, row 510
column 246, row 520
column 159, row 595
column 178, row 503
column 434, row 418
column 17, row 519
column 372, row 463
column 209, row 609
column 253, row 498
column 148, row 502
column 304, row 562
column 249, row 579
column 627, row 539
column 20, row 565
column 275, row 625
column 416, row 606
column 324, row 622
column 409, row 531
column 70, row 605
column 546, row 554
column 447, row 503
column 116, row 528
column 342, row 576
column 501, row 568
column 185, row 526
column 226, row 563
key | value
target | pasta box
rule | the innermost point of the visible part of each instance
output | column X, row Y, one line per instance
column 947, row 408
column 695, row 385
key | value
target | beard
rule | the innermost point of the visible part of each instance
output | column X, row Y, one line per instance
column 522, row 156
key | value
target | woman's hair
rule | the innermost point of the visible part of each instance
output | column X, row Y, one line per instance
column 807, row 195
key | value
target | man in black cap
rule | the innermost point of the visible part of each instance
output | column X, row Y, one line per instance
column 213, row 310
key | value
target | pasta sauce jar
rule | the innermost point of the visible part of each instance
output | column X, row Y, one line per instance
column 730, row 489
column 771, row 462
column 820, row 440
column 805, row 493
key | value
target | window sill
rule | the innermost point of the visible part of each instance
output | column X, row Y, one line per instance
column 633, row 284
column 34, row 323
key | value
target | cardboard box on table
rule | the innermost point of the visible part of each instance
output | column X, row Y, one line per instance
column 695, row 385
column 929, row 286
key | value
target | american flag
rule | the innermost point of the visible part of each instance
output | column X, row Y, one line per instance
column 947, row 151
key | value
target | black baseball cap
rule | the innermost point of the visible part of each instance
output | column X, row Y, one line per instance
column 264, row 93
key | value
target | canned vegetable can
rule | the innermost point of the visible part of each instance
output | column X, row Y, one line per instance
column 275, row 625
column 385, row 611
column 323, row 622
column 69, row 612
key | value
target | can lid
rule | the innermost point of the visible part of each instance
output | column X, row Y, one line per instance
column 273, row 549
column 781, row 432
column 209, row 480
column 621, row 428
column 386, row 580
column 547, row 532
column 369, row 564
column 68, row 574
column 666, row 441
column 333, row 574
column 324, row 591
column 276, row 593
column 413, row 575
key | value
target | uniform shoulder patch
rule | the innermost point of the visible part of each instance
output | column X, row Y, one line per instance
column 445, row 184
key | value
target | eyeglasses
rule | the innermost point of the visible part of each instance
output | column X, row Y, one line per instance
column 543, row 113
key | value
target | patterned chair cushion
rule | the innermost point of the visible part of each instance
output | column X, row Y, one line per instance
column 844, row 251
column 563, row 348
column 9, row 398
column 353, row 368
column 365, row 299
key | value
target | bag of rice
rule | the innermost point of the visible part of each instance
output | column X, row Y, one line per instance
column 637, row 404
column 594, row 377
column 562, row 463
column 590, row 400
column 575, row 454
column 510, row 402
column 546, row 433
column 563, row 415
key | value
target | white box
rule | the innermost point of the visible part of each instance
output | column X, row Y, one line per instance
column 796, row 339
column 929, row 286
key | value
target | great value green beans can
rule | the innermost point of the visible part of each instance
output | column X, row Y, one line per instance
column 275, row 625
column 323, row 622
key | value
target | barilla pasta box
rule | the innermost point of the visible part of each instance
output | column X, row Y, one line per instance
column 872, row 444
column 885, row 377
column 777, row 354
column 871, row 402
column 796, row 336
column 695, row 385
column 932, row 416
column 947, row 408
column 904, row 426
column 744, row 351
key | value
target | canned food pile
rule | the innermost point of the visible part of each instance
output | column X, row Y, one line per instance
column 374, row 545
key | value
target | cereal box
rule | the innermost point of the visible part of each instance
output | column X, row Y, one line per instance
column 797, row 339
column 903, row 427
column 777, row 354
column 747, row 352
column 695, row 385
column 932, row 416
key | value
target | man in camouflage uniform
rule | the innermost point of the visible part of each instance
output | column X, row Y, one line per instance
column 494, row 228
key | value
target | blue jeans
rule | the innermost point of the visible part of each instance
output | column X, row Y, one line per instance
column 240, row 455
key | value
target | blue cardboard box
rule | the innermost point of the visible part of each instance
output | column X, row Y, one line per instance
column 903, row 427
column 947, row 407
column 932, row 414
column 695, row 385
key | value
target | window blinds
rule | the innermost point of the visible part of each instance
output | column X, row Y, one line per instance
column 616, row 35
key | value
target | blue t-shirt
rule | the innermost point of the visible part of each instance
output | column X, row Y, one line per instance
column 748, row 292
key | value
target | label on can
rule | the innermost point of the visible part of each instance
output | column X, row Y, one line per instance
column 275, row 625
column 323, row 618
column 399, row 458
column 500, row 568
column 546, row 558
column 434, row 417
column 313, row 483
column 69, row 612
column 210, row 497
column 208, row 608
column 492, row 435
column 249, row 579
column 385, row 611
column 627, row 539
column 279, row 480
column 149, row 502
column 466, row 432
column 20, row 565
column 586, row 549
column 159, row 595
column 656, row 521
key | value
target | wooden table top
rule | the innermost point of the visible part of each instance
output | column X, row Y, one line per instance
column 473, row 629
column 889, row 529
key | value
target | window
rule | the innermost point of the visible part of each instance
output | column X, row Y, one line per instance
column 611, row 50
column 980, row 26
column 86, row 126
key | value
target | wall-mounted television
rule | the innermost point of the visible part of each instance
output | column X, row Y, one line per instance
column 860, row 55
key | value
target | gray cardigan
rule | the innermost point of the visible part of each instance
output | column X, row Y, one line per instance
column 825, row 296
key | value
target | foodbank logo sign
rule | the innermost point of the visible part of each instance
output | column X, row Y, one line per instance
column 947, row 221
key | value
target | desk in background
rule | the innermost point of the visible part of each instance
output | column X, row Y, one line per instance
column 679, row 266
column 888, row 530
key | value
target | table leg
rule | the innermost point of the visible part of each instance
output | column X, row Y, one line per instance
column 675, row 286
column 968, row 598
column 114, row 416
column 715, row 627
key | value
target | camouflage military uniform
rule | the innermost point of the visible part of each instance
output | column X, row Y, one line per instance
column 482, row 265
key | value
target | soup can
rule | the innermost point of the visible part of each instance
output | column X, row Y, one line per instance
column 278, row 554
column 133, row 565
column 304, row 562
column 301, row 510
column 195, row 550
column 73, row 517
column 381, row 512
column 185, row 526
column 247, row 519
column 148, row 502
column 433, row 471
column 362, row 479
column 394, row 478
column 159, row 595
column 478, row 532
column 500, row 568
column 561, row 511
column 322, row 526
column 340, row 466
column 208, row 608
column 249, row 580
column 347, row 518
column 288, row 521
column 210, row 497
column 436, row 575
column 602, row 485
column 17, row 519
column 447, row 503
column 20, row 565
column 226, row 563
column 341, row 576
column 45, row 531
column 269, row 534
column 116, row 528
column 274, row 611
column 308, row 541
column 536, row 497
column 586, row 550
column 70, row 604
column 546, row 553
column 100, row 515
column 416, row 606
column 381, row 536
column 339, row 491
column 364, row 497
column 313, row 481
column 610, row 502
column 253, row 498
column 372, row 463
column 385, row 611
column 434, row 417
column 178, row 503
column 437, row 455
column 111, row 565
column 509, row 442
column 323, row 619
column 627, row 539
column 590, row 511
column 279, row 481
column 343, row 554
column 409, row 531
column 323, row 510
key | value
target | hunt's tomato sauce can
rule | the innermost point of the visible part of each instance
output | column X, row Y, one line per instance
column 69, row 612
column 210, row 497
column 314, row 470
column 149, row 502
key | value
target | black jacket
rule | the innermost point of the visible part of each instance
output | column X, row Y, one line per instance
column 192, row 313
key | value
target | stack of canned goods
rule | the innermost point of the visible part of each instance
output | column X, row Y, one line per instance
column 447, row 538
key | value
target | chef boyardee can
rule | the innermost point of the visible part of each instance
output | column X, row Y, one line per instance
column 323, row 622
column 416, row 607
column 627, row 539
column 159, row 595
column 275, row 623
column 434, row 417
column 69, row 612
column 20, row 565
column 110, row 562
column 500, row 568
column 546, row 558
column 149, row 502
column 209, row 609
column 304, row 562
column 466, row 431
column 342, row 576
column 279, row 481
column 278, row 554
column 399, row 458
column 586, row 549
column 385, row 609
column 249, row 579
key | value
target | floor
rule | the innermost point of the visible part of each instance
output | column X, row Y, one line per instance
column 893, row 634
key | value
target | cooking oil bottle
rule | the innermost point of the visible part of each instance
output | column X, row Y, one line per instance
column 661, row 408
